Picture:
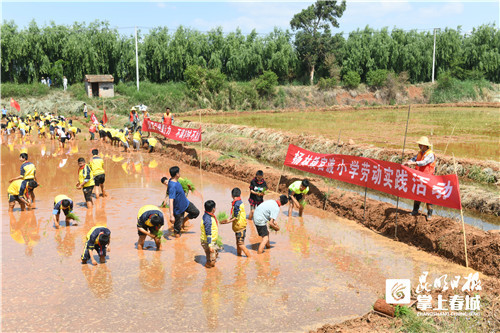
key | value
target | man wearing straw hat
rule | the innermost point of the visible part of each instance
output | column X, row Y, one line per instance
column 424, row 161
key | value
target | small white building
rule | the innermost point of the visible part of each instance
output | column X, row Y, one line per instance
column 99, row 85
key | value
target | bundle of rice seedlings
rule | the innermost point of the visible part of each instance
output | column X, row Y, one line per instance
column 73, row 216
column 187, row 185
column 164, row 204
column 303, row 202
column 222, row 216
column 219, row 243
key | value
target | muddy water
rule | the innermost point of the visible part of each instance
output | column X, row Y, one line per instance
column 321, row 269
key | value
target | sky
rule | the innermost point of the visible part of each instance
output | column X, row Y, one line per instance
column 261, row 16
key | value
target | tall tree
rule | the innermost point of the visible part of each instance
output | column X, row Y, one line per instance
column 313, row 23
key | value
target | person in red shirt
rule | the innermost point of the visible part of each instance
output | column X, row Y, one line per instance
column 424, row 161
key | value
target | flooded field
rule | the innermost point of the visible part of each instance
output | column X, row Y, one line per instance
column 321, row 268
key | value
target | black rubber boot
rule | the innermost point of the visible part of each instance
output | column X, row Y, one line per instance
column 416, row 206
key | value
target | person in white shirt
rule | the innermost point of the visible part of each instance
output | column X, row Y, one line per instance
column 62, row 136
column 65, row 83
column 267, row 212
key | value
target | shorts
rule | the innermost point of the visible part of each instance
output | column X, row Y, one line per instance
column 193, row 213
column 63, row 140
column 99, row 179
column 295, row 195
column 125, row 145
column 253, row 203
column 137, row 145
column 109, row 135
column 262, row 230
column 87, row 193
column 23, row 132
column 240, row 236
column 102, row 134
column 211, row 256
column 13, row 198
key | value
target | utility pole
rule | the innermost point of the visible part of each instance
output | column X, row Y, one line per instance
column 137, row 59
column 434, row 54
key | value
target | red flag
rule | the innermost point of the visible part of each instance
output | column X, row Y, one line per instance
column 104, row 118
column 94, row 118
column 15, row 104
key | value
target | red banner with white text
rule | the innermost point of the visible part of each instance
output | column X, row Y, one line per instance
column 387, row 177
column 171, row 131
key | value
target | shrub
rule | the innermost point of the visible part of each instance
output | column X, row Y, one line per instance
column 377, row 78
column 449, row 89
column 327, row 84
column 351, row 79
column 266, row 83
column 194, row 77
column 215, row 80
column 24, row 90
column 395, row 84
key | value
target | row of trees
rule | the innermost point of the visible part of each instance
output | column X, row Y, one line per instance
column 57, row 50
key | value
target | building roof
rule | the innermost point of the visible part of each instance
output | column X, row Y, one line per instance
column 99, row 78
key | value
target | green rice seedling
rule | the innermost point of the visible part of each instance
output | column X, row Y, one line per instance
column 73, row 216
column 187, row 185
column 222, row 216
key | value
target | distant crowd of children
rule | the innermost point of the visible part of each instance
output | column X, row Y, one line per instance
column 150, row 218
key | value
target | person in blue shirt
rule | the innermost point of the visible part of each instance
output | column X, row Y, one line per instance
column 181, row 210
column 4, row 112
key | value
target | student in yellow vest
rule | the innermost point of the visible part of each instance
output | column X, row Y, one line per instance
column 73, row 130
column 424, row 161
column 209, row 234
column 137, row 139
column 64, row 203
column 28, row 172
column 123, row 139
column 296, row 195
column 97, row 166
column 149, row 222
column 17, row 192
column 85, row 181
column 22, row 127
column 151, row 143
column 98, row 239
column 238, row 218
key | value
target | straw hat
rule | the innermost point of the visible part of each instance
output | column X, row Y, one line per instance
column 424, row 141
column 132, row 109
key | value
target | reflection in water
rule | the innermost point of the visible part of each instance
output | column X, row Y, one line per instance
column 151, row 274
column 26, row 230
column 211, row 297
column 266, row 274
column 100, row 212
column 98, row 279
column 240, row 289
column 183, row 273
column 299, row 237
column 65, row 244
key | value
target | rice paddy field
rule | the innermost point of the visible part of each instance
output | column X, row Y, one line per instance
column 469, row 132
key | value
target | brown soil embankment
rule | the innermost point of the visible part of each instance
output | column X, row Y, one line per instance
column 270, row 146
column 442, row 236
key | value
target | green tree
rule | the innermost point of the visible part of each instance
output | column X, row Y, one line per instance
column 313, row 25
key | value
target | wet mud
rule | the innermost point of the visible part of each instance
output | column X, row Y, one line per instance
column 320, row 268
column 442, row 236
